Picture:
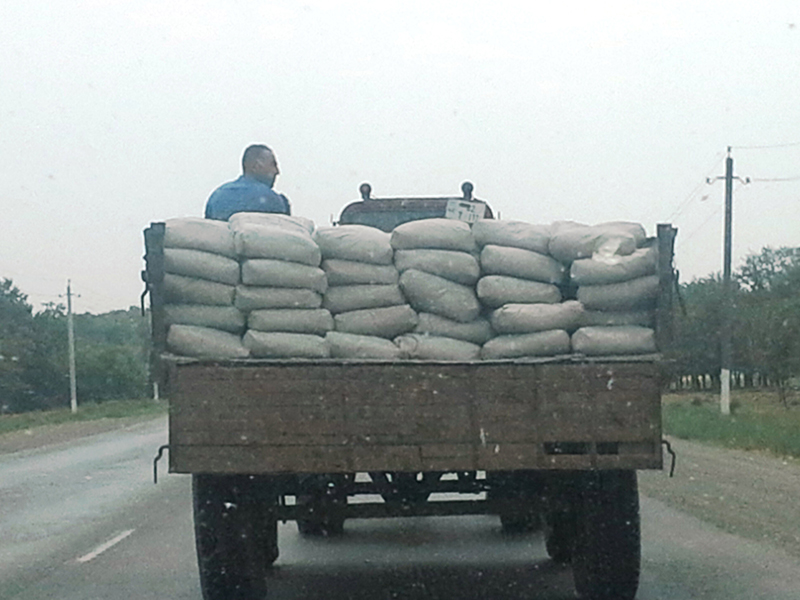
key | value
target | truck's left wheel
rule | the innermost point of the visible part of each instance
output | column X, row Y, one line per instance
column 236, row 535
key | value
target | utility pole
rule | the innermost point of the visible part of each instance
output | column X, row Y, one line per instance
column 726, row 333
column 73, row 387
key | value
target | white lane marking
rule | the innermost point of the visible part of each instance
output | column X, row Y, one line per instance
column 103, row 547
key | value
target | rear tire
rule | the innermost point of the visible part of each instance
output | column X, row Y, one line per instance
column 607, row 556
column 236, row 535
column 559, row 535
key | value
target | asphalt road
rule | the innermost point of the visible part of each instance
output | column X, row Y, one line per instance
column 83, row 521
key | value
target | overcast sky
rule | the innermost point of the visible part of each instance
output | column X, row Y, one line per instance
column 114, row 114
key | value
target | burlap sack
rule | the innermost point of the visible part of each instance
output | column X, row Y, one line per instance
column 529, row 318
column 201, row 265
column 299, row 224
column 433, row 294
column 346, row 298
column 355, row 242
column 196, row 233
column 570, row 242
column 542, row 343
column 285, row 345
column 608, row 341
column 189, row 290
column 317, row 321
column 460, row 267
column 613, row 269
column 642, row 318
column 252, row 298
column 348, row 345
column 424, row 347
column 635, row 294
column 264, row 241
column 523, row 264
column 386, row 322
column 350, row 272
column 267, row 272
column 496, row 290
column 513, row 234
column 434, row 234
column 204, row 342
column 477, row 332
column 225, row 318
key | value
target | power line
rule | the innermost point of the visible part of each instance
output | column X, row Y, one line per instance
column 767, row 179
column 682, row 242
column 683, row 205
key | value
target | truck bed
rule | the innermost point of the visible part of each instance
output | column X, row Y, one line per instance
column 335, row 416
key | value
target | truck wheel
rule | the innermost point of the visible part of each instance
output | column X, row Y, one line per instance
column 516, row 523
column 559, row 535
column 607, row 555
column 236, row 535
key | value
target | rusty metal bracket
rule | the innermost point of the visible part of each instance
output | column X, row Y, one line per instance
column 672, row 454
column 155, row 462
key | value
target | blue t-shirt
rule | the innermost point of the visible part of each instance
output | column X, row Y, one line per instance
column 246, row 194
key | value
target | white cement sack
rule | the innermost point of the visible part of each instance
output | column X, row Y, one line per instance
column 433, row 294
column 529, row 318
column 460, row 267
column 317, row 321
column 189, row 290
column 300, row 224
column 627, row 295
column 434, row 234
column 285, row 345
column 264, row 241
column 252, row 298
column 572, row 242
column 614, row 269
column 348, row 345
column 496, row 290
column 346, row 298
column 196, row 233
column 386, row 322
column 542, row 343
column 204, row 342
column 607, row 341
column 642, row 318
column 478, row 331
column 513, row 234
column 267, row 272
column 355, row 242
column 226, row 318
column 523, row 264
column 349, row 272
column 423, row 347
column 201, row 265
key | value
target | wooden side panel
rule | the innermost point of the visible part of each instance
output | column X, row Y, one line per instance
column 334, row 417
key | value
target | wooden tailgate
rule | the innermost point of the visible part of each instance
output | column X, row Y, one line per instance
column 333, row 416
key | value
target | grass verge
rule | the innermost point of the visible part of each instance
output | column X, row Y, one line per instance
column 116, row 409
column 758, row 421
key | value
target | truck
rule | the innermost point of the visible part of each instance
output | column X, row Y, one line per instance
column 552, row 442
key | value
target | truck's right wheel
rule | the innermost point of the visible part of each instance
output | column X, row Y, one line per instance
column 607, row 554
column 236, row 535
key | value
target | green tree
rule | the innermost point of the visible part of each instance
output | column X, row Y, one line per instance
column 16, row 346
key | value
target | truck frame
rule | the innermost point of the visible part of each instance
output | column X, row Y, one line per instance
column 551, row 442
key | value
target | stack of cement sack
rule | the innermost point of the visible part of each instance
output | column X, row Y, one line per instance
column 520, row 284
column 201, row 275
column 614, row 268
column 281, row 286
column 363, row 292
column 437, row 260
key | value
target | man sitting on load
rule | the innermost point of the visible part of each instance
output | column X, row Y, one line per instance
column 252, row 192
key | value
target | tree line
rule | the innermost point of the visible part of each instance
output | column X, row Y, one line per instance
column 111, row 354
column 766, row 323
column 112, row 349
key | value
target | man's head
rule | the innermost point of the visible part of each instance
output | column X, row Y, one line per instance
column 259, row 163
